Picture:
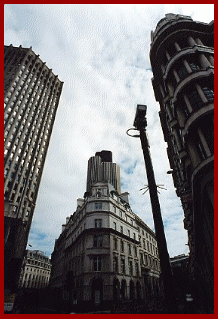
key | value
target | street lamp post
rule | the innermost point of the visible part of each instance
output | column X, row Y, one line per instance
column 140, row 124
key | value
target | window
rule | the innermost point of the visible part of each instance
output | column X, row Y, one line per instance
column 98, row 193
column 149, row 260
column 114, row 226
column 128, row 232
column 115, row 264
column 144, row 244
column 133, row 235
column 97, row 263
column 98, row 223
column 120, row 213
column 148, row 246
column 195, row 100
column 182, row 72
column 209, row 94
column 154, row 250
column 121, row 229
column 130, row 267
column 139, row 240
column 97, row 242
column 135, row 251
column 137, row 269
column 114, row 209
column 200, row 148
column 122, row 265
column 155, row 264
column 141, row 258
column 122, row 246
column 98, row 205
column 194, row 67
column 146, row 259
column 171, row 50
column 172, row 82
column 129, row 249
column 208, row 131
column 115, row 243
column 5, row 171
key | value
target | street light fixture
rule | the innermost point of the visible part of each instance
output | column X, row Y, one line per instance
column 140, row 124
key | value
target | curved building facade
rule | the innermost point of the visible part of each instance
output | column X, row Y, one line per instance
column 182, row 59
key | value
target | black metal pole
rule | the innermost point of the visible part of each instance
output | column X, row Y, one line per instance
column 169, row 288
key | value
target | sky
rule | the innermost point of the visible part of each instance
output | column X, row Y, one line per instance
column 101, row 53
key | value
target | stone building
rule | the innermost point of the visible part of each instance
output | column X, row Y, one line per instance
column 105, row 252
column 31, row 97
column 182, row 59
column 36, row 270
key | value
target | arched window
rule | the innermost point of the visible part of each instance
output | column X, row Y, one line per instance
column 132, row 290
column 123, row 289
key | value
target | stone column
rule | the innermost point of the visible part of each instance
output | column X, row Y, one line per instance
column 177, row 46
column 181, row 116
column 201, row 93
column 178, row 142
column 204, row 142
column 168, row 56
column 199, row 42
column 191, row 42
column 193, row 153
column 176, row 76
column 170, row 89
column 162, row 68
column 169, row 112
column 189, row 107
column 204, row 61
column 211, row 60
column 162, row 91
column 188, row 68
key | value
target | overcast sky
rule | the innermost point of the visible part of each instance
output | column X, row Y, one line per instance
column 101, row 53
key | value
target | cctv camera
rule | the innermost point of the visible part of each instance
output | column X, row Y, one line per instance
column 140, row 116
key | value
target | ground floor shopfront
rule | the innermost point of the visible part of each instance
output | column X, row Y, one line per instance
column 104, row 290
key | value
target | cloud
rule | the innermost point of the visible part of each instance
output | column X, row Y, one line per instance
column 101, row 53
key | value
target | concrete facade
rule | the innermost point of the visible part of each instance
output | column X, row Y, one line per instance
column 31, row 97
column 182, row 59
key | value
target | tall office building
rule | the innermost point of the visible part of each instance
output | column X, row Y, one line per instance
column 102, row 169
column 31, row 97
column 182, row 59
